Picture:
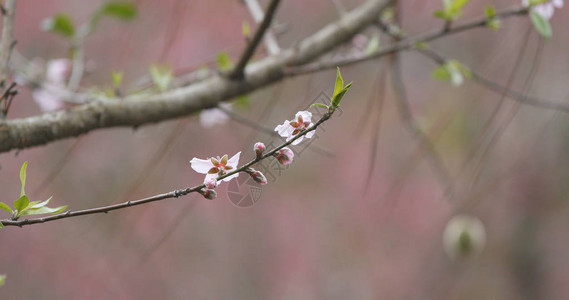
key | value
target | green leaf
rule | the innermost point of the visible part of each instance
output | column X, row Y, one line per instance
column 1, row 226
column 242, row 101
column 60, row 24
column 494, row 24
column 440, row 14
column 119, row 9
column 117, row 78
column 339, row 83
column 21, row 204
column 246, row 29
column 2, row 279
column 43, row 210
column 223, row 61
column 5, row 207
column 161, row 76
column 541, row 25
column 338, row 97
column 441, row 73
column 454, row 9
column 36, row 204
column 489, row 12
column 372, row 46
column 319, row 105
column 23, row 178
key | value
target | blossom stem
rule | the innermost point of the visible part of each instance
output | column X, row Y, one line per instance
column 169, row 195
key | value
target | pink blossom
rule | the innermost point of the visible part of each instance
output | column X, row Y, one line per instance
column 57, row 73
column 258, row 176
column 211, row 183
column 214, row 116
column 209, row 194
column 259, row 148
column 545, row 10
column 284, row 156
column 291, row 128
column 216, row 166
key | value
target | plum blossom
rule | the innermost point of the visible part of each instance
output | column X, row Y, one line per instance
column 284, row 156
column 464, row 236
column 216, row 166
column 257, row 176
column 211, row 183
column 291, row 128
column 214, row 116
column 57, row 72
column 259, row 148
column 545, row 10
column 209, row 194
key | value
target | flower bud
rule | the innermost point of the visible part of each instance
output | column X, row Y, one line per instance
column 257, row 176
column 284, row 156
column 209, row 194
column 211, row 183
column 259, row 148
column 464, row 236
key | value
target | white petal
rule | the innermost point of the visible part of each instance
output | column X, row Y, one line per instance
column 201, row 166
column 233, row 161
column 58, row 70
column 285, row 130
column 47, row 100
column 558, row 3
column 296, row 142
column 310, row 134
column 306, row 115
column 231, row 177
column 208, row 176
column 211, row 117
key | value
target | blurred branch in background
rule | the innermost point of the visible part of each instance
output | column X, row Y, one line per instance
column 7, row 44
column 137, row 110
column 258, row 15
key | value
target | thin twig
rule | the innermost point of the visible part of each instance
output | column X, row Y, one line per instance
column 238, row 71
column 258, row 15
column 169, row 195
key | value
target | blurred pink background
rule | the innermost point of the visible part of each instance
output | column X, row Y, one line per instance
column 316, row 232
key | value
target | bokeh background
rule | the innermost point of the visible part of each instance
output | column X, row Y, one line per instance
column 360, row 214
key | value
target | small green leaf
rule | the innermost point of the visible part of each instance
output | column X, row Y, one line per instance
column 242, row 101
column 489, row 12
column 2, row 278
column 319, row 105
column 541, row 25
column 23, row 177
column 441, row 73
column 161, row 76
column 5, row 207
column 338, row 97
column 119, row 9
column 36, row 204
column 117, row 78
column 494, row 24
column 339, row 83
column 440, row 14
column 372, row 46
column 454, row 9
column 246, row 29
column 43, row 210
column 21, row 204
column 60, row 24
column 1, row 226
column 223, row 61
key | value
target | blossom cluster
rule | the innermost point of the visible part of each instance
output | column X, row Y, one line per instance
column 216, row 167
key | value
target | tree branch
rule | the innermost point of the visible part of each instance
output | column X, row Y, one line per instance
column 258, row 15
column 137, row 110
column 6, row 44
column 238, row 71
column 169, row 195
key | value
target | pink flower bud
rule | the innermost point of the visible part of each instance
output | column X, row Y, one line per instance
column 209, row 194
column 211, row 183
column 285, row 156
column 258, row 177
column 259, row 148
